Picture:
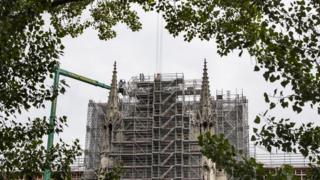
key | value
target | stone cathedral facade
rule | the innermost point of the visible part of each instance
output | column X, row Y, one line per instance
column 151, row 129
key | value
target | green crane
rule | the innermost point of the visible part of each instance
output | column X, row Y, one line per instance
column 57, row 73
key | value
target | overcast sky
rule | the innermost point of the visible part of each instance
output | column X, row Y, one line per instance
column 135, row 52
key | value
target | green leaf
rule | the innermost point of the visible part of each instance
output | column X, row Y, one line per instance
column 284, row 104
column 257, row 120
column 272, row 105
column 266, row 97
column 296, row 108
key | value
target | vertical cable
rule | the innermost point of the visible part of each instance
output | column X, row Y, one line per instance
column 160, row 43
column 157, row 44
column 159, row 39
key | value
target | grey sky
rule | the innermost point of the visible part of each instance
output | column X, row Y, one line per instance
column 135, row 52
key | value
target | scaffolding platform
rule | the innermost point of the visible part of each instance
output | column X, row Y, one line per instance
column 155, row 138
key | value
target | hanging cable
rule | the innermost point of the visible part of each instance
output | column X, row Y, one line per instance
column 159, row 39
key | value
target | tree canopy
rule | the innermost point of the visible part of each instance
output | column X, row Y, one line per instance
column 31, row 33
column 281, row 35
column 284, row 39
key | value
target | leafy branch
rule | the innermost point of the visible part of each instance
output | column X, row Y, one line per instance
column 239, row 166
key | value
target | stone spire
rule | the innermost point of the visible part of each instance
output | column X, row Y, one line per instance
column 112, row 116
column 113, row 106
column 205, row 114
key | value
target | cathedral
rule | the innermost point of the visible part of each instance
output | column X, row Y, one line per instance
column 150, row 130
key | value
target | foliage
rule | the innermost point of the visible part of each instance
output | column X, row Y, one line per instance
column 31, row 33
column 285, row 136
column 284, row 39
column 114, row 174
column 218, row 149
column 23, row 153
column 313, row 172
column 30, row 42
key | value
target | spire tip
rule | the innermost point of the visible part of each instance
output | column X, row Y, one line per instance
column 115, row 65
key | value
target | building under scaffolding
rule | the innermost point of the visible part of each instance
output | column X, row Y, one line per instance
column 95, row 120
column 231, row 114
column 156, row 136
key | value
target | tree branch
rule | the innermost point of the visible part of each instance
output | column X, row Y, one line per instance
column 61, row 2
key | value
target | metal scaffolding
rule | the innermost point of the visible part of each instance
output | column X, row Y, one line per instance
column 231, row 111
column 152, row 141
column 155, row 138
column 95, row 119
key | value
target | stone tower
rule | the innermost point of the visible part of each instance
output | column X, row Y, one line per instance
column 205, row 121
column 205, row 109
column 112, row 117
column 205, row 118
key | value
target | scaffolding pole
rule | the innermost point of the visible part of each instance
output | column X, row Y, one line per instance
column 57, row 73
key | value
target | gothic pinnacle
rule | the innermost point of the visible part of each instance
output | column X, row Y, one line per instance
column 113, row 94
column 205, row 99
